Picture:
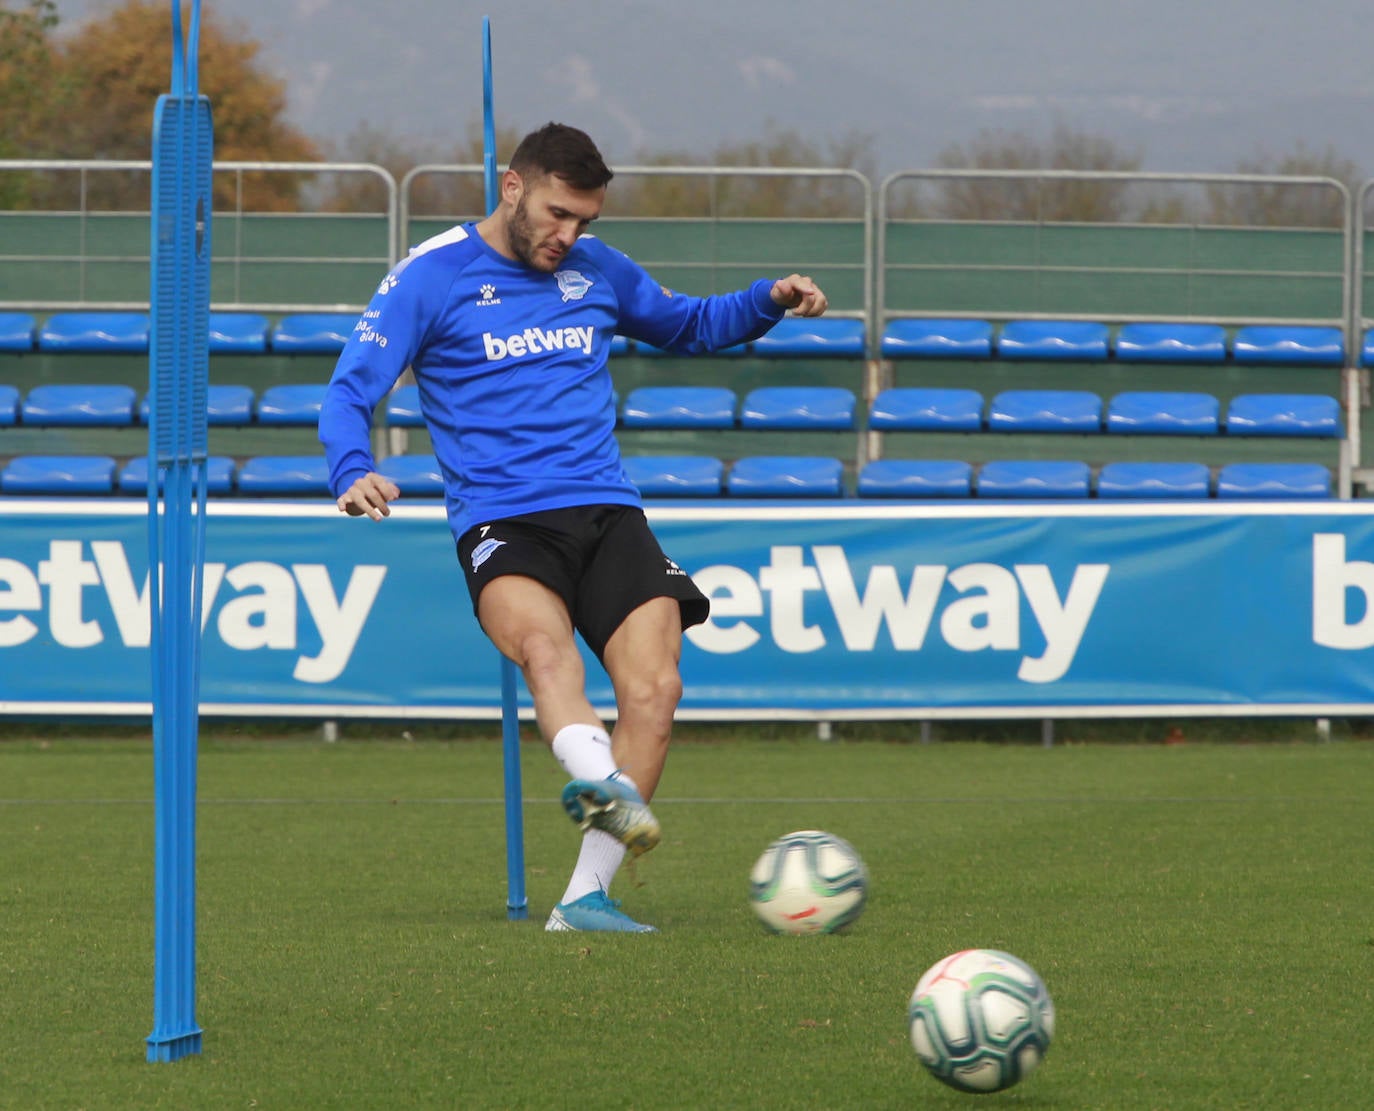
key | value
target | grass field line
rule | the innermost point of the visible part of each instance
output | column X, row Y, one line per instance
column 906, row 800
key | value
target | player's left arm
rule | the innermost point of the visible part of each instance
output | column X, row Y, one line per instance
column 695, row 325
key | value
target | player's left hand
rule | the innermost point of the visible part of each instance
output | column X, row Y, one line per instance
column 800, row 294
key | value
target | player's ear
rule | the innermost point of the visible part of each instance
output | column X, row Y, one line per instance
column 512, row 186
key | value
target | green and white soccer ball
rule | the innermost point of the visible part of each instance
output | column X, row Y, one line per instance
column 981, row 1020
column 808, row 882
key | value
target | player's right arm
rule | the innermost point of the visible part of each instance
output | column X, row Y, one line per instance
column 385, row 341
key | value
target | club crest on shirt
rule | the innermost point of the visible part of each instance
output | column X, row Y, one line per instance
column 572, row 285
column 484, row 550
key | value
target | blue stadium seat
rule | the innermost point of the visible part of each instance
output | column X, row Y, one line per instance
column 17, row 331
column 237, row 333
column 1157, row 412
column 304, row 475
column 648, row 349
column 1122, row 479
column 1289, row 344
column 1045, row 411
column 417, row 475
column 313, row 333
column 925, row 408
column 229, row 406
column 291, row 405
column 66, row 405
column 97, row 332
column 798, row 407
column 679, row 407
column 937, row 339
column 1367, row 349
column 1033, row 478
column 58, row 474
column 1283, row 414
column 219, row 476
column 9, row 405
column 1058, row 340
column 786, row 476
column 915, row 478
column 619, row 345
column 812, row 336
column 663, row 476
column 403, row 408
column 1274, row 480
column 1171, row 343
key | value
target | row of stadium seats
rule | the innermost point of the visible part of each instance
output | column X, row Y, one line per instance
column 325, row 333
column 1057, row 340
column 706, row 477
column 767, row 407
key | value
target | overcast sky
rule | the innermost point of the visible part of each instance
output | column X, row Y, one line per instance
column 1188, row 85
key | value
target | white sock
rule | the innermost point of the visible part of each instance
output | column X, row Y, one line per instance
column 597, row 864
column 584, row 751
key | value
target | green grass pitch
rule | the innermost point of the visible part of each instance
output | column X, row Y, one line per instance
column 1203, row 915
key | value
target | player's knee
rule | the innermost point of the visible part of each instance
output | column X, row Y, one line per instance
column 655, row 692
column 546, row 663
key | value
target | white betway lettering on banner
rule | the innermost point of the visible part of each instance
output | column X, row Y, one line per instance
column 1333, row 579
column 889, row 610
column 258, row 604
column 985, row 615
column 535, row 341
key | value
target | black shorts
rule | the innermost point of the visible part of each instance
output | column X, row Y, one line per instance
column 602, row 560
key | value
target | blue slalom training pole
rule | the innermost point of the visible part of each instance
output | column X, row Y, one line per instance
column 178, row 371
column 516, row 904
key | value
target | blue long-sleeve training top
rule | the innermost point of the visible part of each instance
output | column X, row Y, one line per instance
column 511, row 367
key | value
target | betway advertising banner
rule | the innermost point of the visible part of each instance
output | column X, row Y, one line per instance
column 818, row 611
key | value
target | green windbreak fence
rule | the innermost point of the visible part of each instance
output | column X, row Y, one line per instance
column 998, row 270
column 1113, row 272
column 268, row 261
column 702, row 257
column 879, row 255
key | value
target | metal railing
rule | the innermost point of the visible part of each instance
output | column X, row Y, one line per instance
column 101, row 257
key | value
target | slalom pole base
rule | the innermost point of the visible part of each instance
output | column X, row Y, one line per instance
column 173, row 1047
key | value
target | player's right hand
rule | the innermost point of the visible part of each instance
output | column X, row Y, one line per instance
column 369, row 495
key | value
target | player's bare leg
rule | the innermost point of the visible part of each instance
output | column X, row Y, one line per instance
column 530, row 625
column 642, row 660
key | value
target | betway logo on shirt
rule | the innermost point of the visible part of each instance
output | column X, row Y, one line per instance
column 536, row 341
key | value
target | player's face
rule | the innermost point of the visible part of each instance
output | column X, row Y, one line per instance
column 548, row 218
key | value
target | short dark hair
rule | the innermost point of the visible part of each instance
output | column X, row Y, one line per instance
column 563, row 151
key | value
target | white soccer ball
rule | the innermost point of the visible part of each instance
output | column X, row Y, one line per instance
column 981, row 1020
column 808, row 882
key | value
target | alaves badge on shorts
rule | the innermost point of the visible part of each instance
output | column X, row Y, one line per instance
column 483, row 551
column 572, row 285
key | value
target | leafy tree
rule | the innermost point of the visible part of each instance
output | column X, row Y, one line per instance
column 452, row 196
column 1026, row 198
column 1292, row 206
column 103, row 80
column 26, row 79
column 751, row 195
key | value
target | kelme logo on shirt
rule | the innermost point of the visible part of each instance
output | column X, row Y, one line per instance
column 536, row 341
column 572, row 285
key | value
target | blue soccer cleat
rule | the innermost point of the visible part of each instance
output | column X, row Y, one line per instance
column 615, row 807
column 595, row 912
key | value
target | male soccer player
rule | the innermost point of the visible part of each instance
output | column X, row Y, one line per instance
column 507, row 324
